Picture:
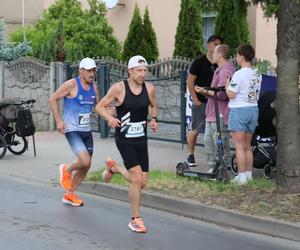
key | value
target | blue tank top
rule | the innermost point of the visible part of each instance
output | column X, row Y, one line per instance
column 78, row 110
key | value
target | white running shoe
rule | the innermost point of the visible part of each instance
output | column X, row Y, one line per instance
column 239, row 181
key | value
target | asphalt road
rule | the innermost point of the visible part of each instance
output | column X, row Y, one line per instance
column 33, row 217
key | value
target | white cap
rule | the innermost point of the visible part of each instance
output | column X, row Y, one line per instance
column 137, row 61
column 87, row 63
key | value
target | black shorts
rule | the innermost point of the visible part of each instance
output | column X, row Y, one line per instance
column 134, row 153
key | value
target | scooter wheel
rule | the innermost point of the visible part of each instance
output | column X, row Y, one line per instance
column 180, row 168
column 222, row 175
column 268, row 171
column 234, row 166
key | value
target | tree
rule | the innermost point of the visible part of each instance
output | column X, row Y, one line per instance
column 231, row 23
column 12, row 51
column 60, row 52
column 189, row 36
column 85, row 32
column 287, row 96
column 133, row 44
column 149, row 39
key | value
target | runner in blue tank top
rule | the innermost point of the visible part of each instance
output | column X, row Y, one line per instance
column 80, row 96
column 132, row 97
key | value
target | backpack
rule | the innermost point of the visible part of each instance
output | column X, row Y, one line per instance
column 24, row 123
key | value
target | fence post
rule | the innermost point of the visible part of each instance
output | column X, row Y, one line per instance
column 52, row 90
column 68, row 70
column 182, row 75
column 2, row 66
column 57, row 77
column 103, row 78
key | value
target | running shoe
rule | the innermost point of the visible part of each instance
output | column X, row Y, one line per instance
column 137, row 225
column 107, row 173
column 239, row 180
column 72, row 199
column 191, row 161
column 65, row 177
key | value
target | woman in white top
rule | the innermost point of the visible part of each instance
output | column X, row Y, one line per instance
column 243, row 91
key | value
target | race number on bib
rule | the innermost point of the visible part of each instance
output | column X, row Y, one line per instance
column 84, row 120
column 135, row 129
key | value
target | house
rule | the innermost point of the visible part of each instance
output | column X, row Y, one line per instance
column 164, row 17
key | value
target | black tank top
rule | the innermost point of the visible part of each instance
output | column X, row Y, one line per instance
column 133, row 113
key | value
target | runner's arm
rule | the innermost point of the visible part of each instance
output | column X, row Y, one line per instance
column 64, row 90
column 153, row 108
column 103, row 104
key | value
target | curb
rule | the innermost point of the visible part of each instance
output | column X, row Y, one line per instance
column 199, row 211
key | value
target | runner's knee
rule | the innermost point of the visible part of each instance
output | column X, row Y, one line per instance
column 85, row 162
column 137, row 179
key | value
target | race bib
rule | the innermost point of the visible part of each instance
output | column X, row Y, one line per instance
column 135, row 129
column 84, row 120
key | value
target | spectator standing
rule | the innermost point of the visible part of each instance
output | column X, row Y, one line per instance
column 243, row 91
column 200, row 74
column 225, row 70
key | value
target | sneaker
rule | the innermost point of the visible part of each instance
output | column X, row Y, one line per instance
column 191, row 161
column 72, row 199
column 249, row 178
column 107, row 173
column 137, row 225
column 210, row 171
column 239, row 181
column 65, row 177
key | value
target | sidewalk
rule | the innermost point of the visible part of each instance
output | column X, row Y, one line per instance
column 53, row 149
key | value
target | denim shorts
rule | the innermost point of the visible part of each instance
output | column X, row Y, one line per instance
column 80, row 142
column 243, row 119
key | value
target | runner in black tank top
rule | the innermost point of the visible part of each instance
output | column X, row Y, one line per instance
column 133, row 113
column 132, row 97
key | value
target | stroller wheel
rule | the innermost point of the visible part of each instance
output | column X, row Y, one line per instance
column 234, row 166
column 3, row 146
column 180, row 168
column 18, row 146
column 268, row 171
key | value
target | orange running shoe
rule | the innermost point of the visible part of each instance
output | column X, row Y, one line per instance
column 137, row 225
column 107, row 173
column 72, row 199
column 64, row 177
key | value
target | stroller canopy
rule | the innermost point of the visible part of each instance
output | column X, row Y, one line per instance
column 8, row 109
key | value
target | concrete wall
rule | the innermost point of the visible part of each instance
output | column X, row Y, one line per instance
column 28, row 79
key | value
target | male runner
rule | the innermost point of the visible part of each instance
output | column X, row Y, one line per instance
column 132, row 97
column 80, row 95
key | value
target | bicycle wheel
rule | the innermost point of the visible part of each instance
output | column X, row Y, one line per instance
column 3, row 146
column 234, row 166
column 18, row 145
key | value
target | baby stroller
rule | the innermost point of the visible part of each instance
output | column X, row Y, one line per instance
column 15, row 125
column 264, row 139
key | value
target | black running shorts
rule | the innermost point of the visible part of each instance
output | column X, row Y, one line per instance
column 134, row 153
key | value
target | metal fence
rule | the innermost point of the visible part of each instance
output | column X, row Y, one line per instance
column 169, row 78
